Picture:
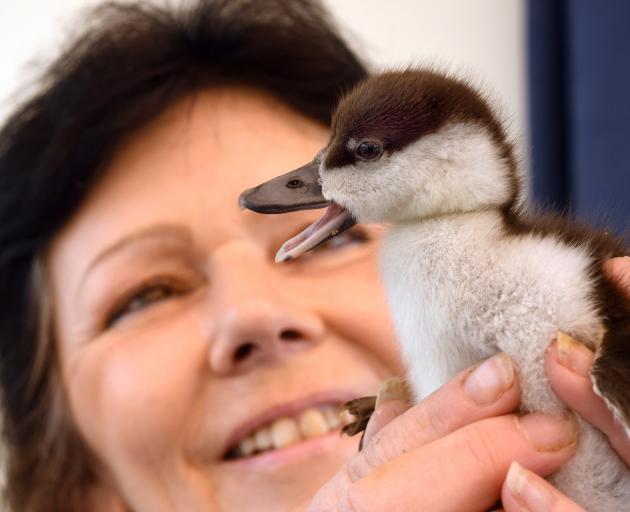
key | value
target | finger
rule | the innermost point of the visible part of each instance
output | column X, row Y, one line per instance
column 524, row 491
column 466, row 469
column 567, row 364
column 383, row 415
column 393, row 398
column 489, row 389
column 619, row 269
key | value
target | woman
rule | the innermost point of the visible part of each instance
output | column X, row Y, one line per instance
column 154, row 356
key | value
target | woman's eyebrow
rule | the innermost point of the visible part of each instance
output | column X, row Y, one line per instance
column 176, row 232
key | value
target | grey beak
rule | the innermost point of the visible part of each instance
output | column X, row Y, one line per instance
column 296, row 190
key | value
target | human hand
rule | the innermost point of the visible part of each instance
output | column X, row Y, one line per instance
column 451, row 451
column 568, row 363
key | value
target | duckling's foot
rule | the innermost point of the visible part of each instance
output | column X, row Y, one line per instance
column 363, row 408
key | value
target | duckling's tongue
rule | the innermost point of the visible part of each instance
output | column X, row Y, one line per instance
column 299, row 189
column 335, row 220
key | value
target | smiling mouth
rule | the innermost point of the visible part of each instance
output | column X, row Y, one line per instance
column 288, row 430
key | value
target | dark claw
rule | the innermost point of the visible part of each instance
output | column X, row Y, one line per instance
column 362, row 409
column 352, row 429
column 361, row 406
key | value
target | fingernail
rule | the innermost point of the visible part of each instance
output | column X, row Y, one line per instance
column 528, row 490
column 392, row 399
column 486, row 383
column 394, row 388
column 548, row 433
column 573, row 355
column 386, row 412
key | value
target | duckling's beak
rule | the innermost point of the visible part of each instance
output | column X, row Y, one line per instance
column 298, row 190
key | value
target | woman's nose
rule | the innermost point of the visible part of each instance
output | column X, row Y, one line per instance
column 255, row 318
column 260, row 331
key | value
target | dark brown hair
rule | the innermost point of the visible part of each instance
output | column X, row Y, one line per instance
column 132, row 61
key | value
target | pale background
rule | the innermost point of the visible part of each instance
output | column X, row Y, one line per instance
column 484, row 38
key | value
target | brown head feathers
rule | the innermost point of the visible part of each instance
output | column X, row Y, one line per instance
column 397, row 108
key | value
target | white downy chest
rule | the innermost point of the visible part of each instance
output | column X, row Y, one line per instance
column 460, row 290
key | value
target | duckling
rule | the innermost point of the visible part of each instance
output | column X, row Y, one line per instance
column 468, row 268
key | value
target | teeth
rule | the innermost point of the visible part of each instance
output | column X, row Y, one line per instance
column 263, row 439
column 312, row 423
column 284, row 431
column 333, row 417
column 247, row 446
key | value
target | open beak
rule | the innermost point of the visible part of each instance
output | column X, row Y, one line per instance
column 298, row 190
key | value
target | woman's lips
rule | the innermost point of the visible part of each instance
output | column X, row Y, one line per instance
column 286, row 430
column 309, row 450
column 287, row 424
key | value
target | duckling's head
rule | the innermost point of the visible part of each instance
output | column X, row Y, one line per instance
column 404, row 146
column 416, row 144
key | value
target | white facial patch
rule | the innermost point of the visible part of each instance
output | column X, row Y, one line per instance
column 456, row 169
column 352, row 144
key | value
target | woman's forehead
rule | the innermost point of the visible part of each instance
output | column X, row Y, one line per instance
column 226, row 139
column 189, row 165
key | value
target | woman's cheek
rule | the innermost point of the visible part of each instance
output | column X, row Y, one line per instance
column 358, row 310
column 132, row 392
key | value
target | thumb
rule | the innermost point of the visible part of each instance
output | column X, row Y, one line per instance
column 392, row 400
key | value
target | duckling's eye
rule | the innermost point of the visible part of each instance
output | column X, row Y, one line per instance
column 369, row 150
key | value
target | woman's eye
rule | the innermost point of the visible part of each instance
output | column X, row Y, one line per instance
column 144, row 297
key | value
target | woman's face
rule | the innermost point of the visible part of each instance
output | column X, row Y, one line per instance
column 183, row 346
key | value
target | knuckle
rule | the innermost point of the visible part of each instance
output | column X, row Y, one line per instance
column 429, row 422
column 482, row 449
column 433, row 419
column 363, row 463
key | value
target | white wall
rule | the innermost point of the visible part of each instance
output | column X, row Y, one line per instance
column 484, row 37
column 30, row 32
